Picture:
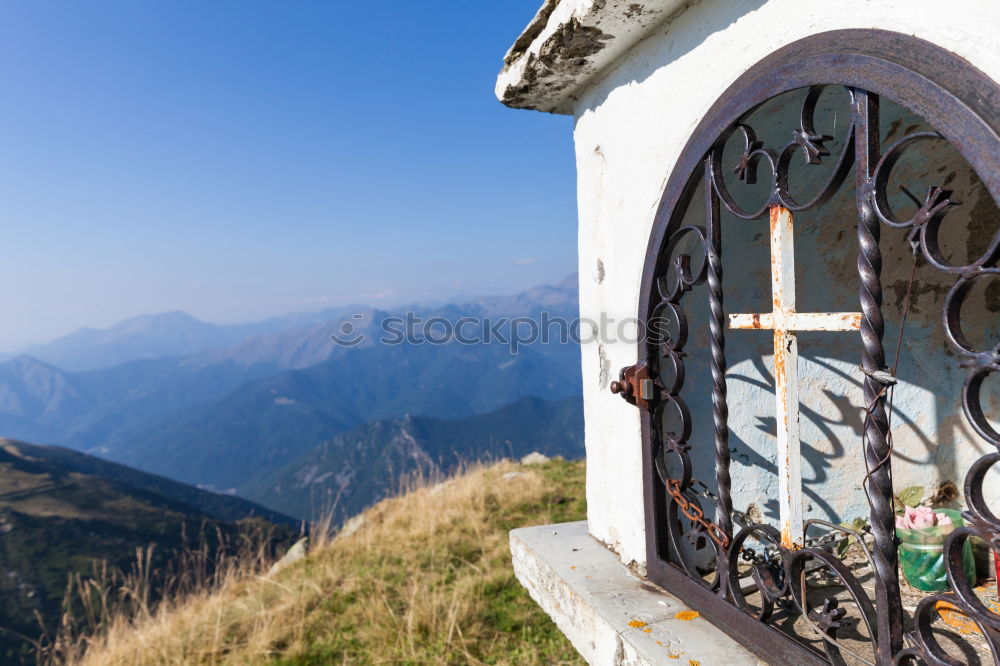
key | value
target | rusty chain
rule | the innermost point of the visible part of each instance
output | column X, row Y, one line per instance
column 696, row 515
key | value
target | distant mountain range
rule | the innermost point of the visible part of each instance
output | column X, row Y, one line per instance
column 267, row 422
column 354, row 469
column 158, row 336
column 257, row 396
column 60, row 511
column 178, row 334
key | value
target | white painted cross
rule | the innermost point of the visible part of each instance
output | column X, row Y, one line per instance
column 784, row 320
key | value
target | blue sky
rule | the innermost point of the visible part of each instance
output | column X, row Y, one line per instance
column 243, row 158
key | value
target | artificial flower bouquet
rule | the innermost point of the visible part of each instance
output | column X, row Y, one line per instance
column 922, row 531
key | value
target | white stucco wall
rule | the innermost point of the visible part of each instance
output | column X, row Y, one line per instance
column 630, row 127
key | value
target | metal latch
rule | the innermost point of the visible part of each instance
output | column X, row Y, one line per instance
column 635, row 385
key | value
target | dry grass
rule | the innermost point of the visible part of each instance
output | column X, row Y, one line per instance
column 108, row 599
column 426, row 579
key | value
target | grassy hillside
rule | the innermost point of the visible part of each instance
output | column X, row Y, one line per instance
column 58, row 460
column 61, row 512
column 424, row 579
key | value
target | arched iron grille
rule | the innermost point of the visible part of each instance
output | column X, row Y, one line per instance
column 962, row 105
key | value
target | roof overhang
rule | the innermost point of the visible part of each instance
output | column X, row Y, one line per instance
column 568, row 43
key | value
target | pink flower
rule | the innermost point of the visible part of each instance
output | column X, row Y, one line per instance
column 921, row 517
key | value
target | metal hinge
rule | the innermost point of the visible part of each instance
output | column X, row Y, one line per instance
column 635, row 385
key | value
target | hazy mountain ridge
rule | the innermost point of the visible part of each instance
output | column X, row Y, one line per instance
column 145, row 336
column 160, row 335
column 179, row 334
column 266, row 423
column 37, row 399
column 355, row 469
column 222, row 416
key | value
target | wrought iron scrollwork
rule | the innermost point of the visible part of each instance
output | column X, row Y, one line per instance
column 668, row 328
column 779, row 574
column 804, row 140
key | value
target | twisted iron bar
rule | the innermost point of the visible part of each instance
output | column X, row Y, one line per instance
column 889, row 639
column 720, row 407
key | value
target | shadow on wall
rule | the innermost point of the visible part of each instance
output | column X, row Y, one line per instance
column 932, row 441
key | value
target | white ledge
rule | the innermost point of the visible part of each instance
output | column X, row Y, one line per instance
column 611, row 616
column 568, row 43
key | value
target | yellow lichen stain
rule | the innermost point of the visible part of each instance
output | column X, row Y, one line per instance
column 573, row 567
column 954, row 617
column 646, row 630
column 637, row 624
column 686, row 615
column 674, row 656
column 694, row 662
column 660, row 643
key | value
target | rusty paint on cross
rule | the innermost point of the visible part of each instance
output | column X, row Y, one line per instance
column 784, row 321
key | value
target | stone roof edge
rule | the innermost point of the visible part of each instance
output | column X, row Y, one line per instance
column 568, row 43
